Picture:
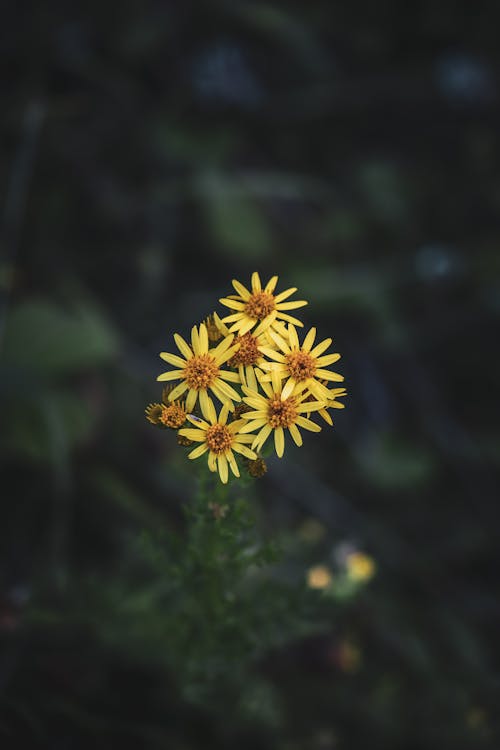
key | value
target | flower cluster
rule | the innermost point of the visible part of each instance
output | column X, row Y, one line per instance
column 252, row 361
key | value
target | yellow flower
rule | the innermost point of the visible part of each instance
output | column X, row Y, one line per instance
column 319, row 577
column 274, row 412
column 360, row 567
column 301, row 364
column 218, row 438
column 173, row 415
column 259, row 306
column 200, row 369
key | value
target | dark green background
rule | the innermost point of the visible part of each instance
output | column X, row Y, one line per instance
column 150, row 153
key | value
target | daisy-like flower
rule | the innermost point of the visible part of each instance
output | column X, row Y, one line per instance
column 220, row 439
column 200, row 369
column 275, row 412
column 259, row 306
column 301, row 365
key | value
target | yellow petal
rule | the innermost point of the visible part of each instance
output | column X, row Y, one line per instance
column 242, row 290
column 232, row 303
column 279, row 441
column 280, row 342
column 195, row 340
column 204, row 405
column 172, row 375
column 178, row 391
column 291, row 305
column 203, row 337
column 271, row 285
column 246, row 326
column 307, row 424
column 292, row 337
column 253, row 425
column 309, row 340
column 227, row 390
column 232, row 463
column 262, row 436
column 256, row 285
column 233, row 377
column 222, row 463
column 320, row 348
column 224, row 413
column 328, row 360
column 198, row 422
column 244, row 450
column 192, row 434
column 287, row 293
column 191, row 399
column 199, row 451
column 173, row 359
column 183, row 346
column 288, row 389
column 289, row 318
column 296, row 436
column 329, row 375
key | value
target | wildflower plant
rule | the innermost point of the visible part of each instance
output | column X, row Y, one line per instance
column 264, row 378
column 234, row 391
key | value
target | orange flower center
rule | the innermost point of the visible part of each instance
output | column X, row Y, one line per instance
column 301, row 365
column 219, row 438
column 172, row 416
column 247, row 354
column 260, row 305
column 200, row 371
column 281, row 413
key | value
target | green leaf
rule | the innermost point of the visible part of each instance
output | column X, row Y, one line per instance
column 51, row 340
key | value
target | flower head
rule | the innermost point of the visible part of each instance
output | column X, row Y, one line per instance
column 219, row 439
column 274, row 412
column 199, row 369
column 301, row 364
column 259, row 306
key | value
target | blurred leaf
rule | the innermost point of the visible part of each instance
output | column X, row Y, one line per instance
column 52, row 340
column 238, row 226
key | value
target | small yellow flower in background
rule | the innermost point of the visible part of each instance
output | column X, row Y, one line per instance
column 272, row 412
column 259, row 306
column 360, row 567
column 301, row 365
column 218, row 438
column 200, row 369
column 319, row 577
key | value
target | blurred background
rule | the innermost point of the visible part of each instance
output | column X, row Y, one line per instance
column 150, row 153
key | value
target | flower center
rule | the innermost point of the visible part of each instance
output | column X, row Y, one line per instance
column 260, row 305
column 301, row 365
column 172, row 416
column 281, row 413
column 200, row 371
column 219, row 438
column 247, row 354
